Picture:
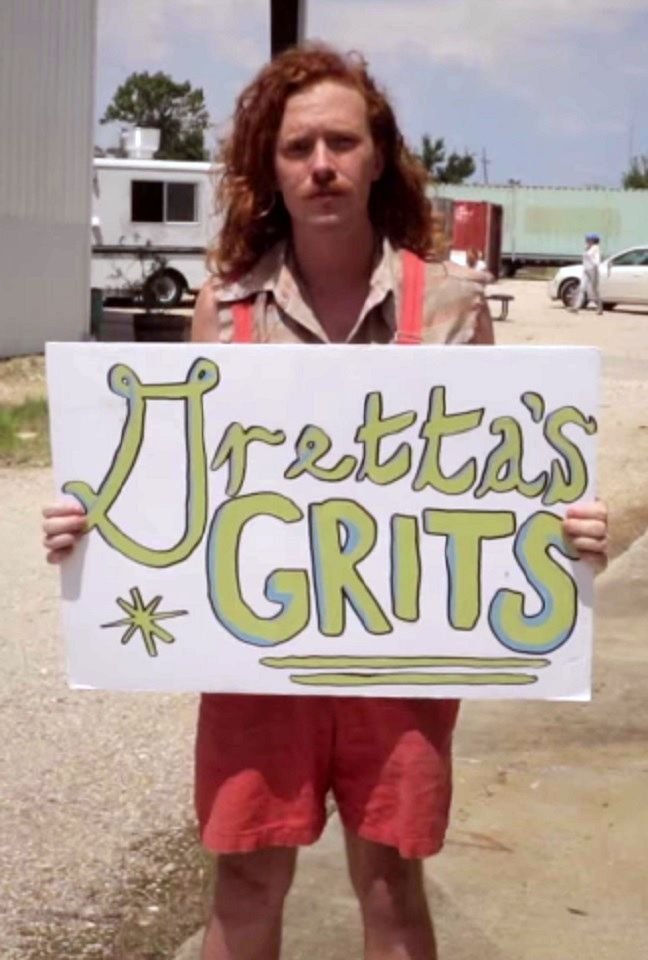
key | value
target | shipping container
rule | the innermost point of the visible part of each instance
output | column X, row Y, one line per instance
column 547, row 225
column 478, row 225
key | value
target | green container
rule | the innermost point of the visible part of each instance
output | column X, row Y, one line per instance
column 551, row 222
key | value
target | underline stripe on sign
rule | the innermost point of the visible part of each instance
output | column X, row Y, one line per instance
column 393, row 663
column 412, row 679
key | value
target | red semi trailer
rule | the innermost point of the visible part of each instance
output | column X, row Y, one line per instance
column 478, row 225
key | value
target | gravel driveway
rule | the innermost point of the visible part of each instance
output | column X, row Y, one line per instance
column 96, row 787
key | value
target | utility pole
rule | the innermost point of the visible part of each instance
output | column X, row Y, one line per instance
column 287, row 24
column 485, row 164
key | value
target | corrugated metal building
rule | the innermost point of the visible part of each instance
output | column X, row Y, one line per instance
column 47, row 54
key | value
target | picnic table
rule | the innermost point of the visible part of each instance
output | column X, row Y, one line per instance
column 503, row 299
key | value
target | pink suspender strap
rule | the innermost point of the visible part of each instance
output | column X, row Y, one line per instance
column 410, row 321
column 243, row 322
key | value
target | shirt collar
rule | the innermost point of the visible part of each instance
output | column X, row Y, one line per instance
column 275, row 272
column 263, row 276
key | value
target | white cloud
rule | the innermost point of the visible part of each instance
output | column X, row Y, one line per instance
column 473, row 34
column 148, row 30
column 503, row 42
column 575, row 123
column 129, row 38
column 634, row 69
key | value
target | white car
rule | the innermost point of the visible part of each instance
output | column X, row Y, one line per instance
column 623, row 279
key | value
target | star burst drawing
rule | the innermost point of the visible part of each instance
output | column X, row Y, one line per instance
column 144, row 618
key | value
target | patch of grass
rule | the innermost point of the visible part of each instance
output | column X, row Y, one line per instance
column 24, row 434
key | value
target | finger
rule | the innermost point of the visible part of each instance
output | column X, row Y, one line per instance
column 58, row 556
column 577, row 527
column 64, row 541
column 588, row 545
column 63, row 508
column 74, row 523
column 596, row 510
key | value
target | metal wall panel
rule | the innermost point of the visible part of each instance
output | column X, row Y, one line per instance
column 47, row 54
column 554, row 220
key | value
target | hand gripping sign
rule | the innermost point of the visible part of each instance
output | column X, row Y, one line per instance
column 376, row 520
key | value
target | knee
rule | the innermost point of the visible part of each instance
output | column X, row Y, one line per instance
column 256, row 881
column 390, row 889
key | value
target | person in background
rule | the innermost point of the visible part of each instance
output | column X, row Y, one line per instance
column 589, row 285
column 327, row 237
column 474, row 259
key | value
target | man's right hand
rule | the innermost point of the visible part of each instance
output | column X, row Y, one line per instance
column 63, row 526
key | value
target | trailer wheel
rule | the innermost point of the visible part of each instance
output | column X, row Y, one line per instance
column 568, row 290
column 164, row 289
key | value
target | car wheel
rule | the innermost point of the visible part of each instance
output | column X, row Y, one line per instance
column 164, row 289
column 608, row 306
column 568, row 291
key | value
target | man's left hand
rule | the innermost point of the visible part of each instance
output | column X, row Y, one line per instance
column 586, row 529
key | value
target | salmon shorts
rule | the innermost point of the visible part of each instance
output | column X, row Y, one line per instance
column 265, row 764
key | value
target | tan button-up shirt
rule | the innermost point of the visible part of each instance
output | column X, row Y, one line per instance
column 454, row 309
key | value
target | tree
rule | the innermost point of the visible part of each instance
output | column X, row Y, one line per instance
column 636, row 178
column 455, row 169
column 175, row 109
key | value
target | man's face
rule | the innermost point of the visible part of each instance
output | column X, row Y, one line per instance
column 325, row 157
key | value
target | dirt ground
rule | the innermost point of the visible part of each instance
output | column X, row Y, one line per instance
column 622, row 337
column 546, row 855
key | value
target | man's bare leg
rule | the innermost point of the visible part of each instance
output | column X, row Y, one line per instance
column 247, row 909
column 391, row 892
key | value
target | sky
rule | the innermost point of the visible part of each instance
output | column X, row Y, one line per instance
column 549, row 92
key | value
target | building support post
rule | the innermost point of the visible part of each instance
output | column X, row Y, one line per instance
column 287, row 23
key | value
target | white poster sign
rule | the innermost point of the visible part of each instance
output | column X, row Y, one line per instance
column 375, row 520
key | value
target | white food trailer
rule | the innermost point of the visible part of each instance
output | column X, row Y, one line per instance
column 151, row 223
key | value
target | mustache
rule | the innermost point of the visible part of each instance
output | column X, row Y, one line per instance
column 325, row 192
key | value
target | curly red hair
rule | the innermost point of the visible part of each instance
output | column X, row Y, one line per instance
column 255, row 217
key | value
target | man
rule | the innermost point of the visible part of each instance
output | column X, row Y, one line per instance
column 327, row 238
column 589, row 285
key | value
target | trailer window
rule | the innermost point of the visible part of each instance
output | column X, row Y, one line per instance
column 180, row 202
column 154, row 201
column 147, row 201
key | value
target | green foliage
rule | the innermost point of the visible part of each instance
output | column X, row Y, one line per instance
column 636, row 178
column 178, row 111
column 456, row 168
